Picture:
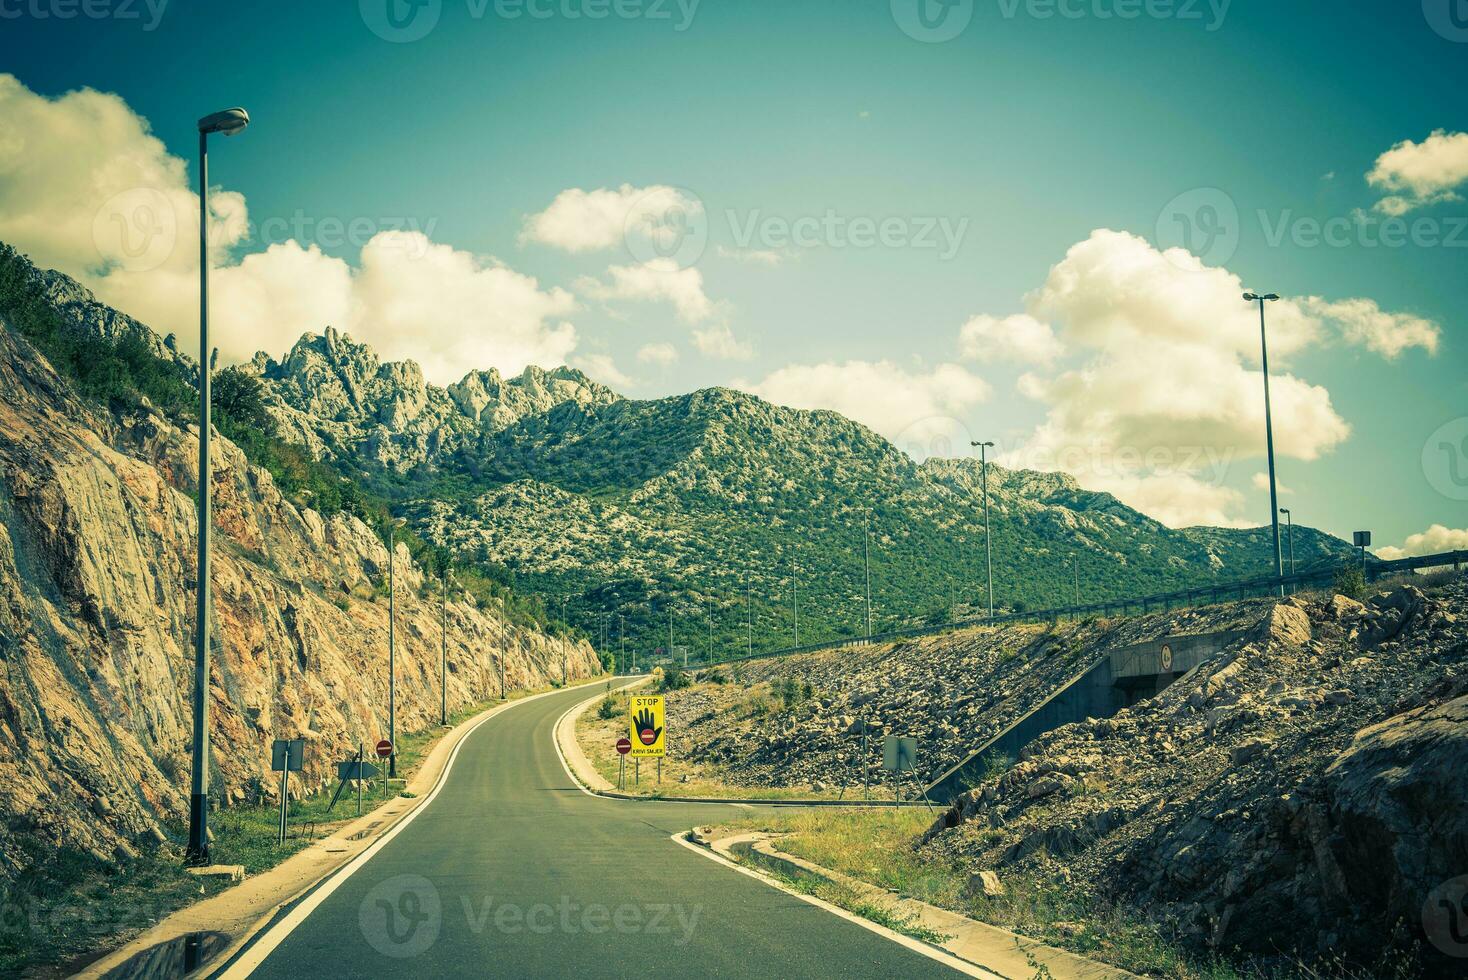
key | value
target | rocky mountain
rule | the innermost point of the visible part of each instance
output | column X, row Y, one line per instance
column 339, row 399
column 97, row 578
column 692, row 505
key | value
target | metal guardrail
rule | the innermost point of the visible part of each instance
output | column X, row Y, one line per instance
column 1375, row 568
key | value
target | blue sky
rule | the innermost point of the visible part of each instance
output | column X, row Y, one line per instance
column 990, row 156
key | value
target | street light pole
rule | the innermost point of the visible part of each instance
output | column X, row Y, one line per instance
column 795, row 598
column 749, row 618
column 229, row 122
column 984, row 448
column 1269, row 435
column 392, row 650
column 443, row 653
column 868, row 566
column 1289, row 535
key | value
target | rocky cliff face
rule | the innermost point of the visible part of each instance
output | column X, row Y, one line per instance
column 1302, row 794
column 97, row 576
column 342, row 401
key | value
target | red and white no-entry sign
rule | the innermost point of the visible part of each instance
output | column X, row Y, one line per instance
column 384, row 749
column 624, row 745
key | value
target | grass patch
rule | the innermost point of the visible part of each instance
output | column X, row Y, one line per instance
column 876, row 846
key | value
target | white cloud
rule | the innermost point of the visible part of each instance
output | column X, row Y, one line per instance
column 909, row 408
column 1363, row 323
column 601, row 367
column 1020, row 338
column 719, row 341
column 1414, row 175
column 1435, row 540
column 1261, row 482
column 452, row 311
column 662, row 353
column 661, row 280
column 85, row 188
column 1170, row 396
column 596, row 220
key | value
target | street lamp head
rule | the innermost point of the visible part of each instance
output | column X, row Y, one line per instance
column 986, row 445
column 228, row 121
column 1256, row 298
column 1285, row 511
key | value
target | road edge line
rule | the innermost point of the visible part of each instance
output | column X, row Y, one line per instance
column 916, row 945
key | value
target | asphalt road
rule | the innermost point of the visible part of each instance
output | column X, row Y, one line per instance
column 513, row 871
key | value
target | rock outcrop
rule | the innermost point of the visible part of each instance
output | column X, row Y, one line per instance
column 97, row 577
column 1304, row 794
column 338, row 398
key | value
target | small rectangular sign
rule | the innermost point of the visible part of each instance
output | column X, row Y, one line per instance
column 645, row 725
column 1363, row 539
column 287, row 755
column 355, row 769
column 899, row 754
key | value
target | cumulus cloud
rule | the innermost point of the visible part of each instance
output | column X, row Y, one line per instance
column 661, row 280
column 591, row 221
column 662, row 354
column 908, row 407
column 720, row 342
column 1020, row 338
column 601, row 367
column 1363, row 323
column 1435, row 540
column 87, row 189
column 1169, row 396
column 452, row 311
column 1414, row 175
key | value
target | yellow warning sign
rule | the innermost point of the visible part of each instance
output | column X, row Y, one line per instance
column 645, row 725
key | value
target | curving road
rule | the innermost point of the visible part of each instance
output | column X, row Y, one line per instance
column 512, row 870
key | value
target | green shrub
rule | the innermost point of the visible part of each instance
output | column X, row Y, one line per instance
column 1351, row 582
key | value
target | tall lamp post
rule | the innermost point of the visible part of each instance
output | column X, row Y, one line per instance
column 228, row 122
column 1269, row 435
column 984, row 448
column 868, row 568
column 443, row 653
column 1289, row 535
column 392, row 649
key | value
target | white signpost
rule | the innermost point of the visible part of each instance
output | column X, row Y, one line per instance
column 899, row 754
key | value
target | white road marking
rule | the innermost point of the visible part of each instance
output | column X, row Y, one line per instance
column 917, row 946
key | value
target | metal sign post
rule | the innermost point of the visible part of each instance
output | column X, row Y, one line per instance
column 899, row 753
column 624, row 745
column 287, row 755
